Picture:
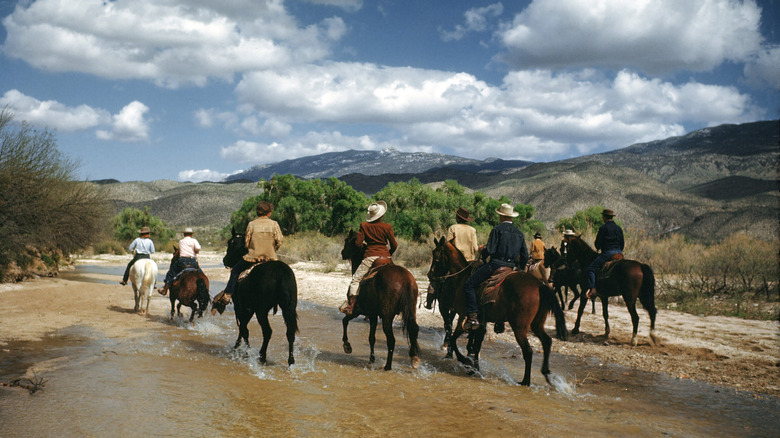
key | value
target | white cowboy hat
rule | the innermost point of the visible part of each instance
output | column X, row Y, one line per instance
column 376, row 211
column 187, row 230
column 569, row 233
column 507, row 210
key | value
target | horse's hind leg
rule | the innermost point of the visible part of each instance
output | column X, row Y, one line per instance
column 344, row 339
column 580, row 309
column 538, row 328
column 413, row 330
column 521, row 335
column 387, row 327
column 631, row 305
column 605, row 312
column 262, row 318
column 372, row 321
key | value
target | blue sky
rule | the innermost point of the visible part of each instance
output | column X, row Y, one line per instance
column 195, row 90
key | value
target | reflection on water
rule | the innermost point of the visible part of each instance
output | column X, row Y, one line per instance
column 185, row 379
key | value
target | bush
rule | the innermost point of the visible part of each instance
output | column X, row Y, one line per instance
column 43, row 209
column 127, row 223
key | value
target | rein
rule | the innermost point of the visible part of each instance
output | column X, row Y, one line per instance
column 444, row 277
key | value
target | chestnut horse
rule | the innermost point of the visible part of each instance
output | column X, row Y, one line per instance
column 523, row 301
column 391, row 291
column 191, row 289
column 628, row 278
column 269, row 285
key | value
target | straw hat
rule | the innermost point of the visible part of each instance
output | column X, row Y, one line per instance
column 376, row 211
column 569, row 233
column 187, row 230
column 507, row 210
column 144, row 230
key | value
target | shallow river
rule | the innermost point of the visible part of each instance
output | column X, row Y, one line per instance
column 186, row 380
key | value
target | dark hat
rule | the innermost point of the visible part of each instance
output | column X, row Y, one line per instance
column 607, row 212
column 144, row 230
column 464, row 214
column 538, row 235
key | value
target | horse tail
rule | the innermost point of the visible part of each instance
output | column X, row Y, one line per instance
column 288, row 298
column 647, row 292
column 203, row 293
column 551, row 304
column 147, row 284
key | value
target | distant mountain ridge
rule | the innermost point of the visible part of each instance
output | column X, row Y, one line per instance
column 336, row 164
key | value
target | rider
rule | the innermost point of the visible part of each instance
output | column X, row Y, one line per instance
column 463, row 235
column 144, row 248
column 537, row 249
column 263, row 238
column 506, row 247
column 610, row 241
column 189, row 247
column 377, row 235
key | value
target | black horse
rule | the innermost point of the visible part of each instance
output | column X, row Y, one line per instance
column 523, row 301
column 391, row 291
column 269, row 285
column 567, row 275
column 627, row 278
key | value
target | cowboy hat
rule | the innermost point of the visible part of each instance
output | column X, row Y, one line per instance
column 187, row 230
column 507, row 210
column 144, row 230
column 376, row 211
column 607, row 212
column 569, row 233
column 464, row 214
column 538, row 235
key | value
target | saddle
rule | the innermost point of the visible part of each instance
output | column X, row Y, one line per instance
column 609, row 266
column 376, row 267
column 184, row 271
column 248, row 270
column 487, row 293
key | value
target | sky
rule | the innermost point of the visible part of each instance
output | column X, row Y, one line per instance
column 196, row 90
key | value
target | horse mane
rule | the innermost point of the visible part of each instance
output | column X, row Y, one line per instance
column 457, row 253
column 579, row 244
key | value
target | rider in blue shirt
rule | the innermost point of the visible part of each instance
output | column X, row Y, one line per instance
column 144, row 248
column 609, row 241
column 506, row 247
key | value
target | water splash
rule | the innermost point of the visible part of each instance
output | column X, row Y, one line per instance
column 561, row 384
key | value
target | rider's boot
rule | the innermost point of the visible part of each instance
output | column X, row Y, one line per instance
column 592, row 293
column 164, row 290
column 471, row 322
column 349, row 306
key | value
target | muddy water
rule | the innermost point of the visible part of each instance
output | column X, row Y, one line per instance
column 186, row 380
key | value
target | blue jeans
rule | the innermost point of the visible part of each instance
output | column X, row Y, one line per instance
column 235, row 271
column 470, row 286
column 178, row 266
column 597, row 264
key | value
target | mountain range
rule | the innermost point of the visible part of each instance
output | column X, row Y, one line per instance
column 705, row 185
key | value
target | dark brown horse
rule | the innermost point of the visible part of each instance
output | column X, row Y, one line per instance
column 627, row 278
column 191, row 289
column 523, row 301
column 443, row 290
column 390, row 292
column 270, row 285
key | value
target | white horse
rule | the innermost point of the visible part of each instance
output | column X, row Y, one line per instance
column 143, row 276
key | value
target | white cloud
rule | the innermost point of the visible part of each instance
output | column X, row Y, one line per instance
column 52, row 114
column 764, row 70
column 129, row 125
column 203, row 175
column 170, row 42
column 652, row 36
column 347, row 5
column 476, row 21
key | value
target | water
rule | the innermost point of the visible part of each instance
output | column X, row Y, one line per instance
column 182, row 379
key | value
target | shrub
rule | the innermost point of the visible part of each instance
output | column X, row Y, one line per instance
column 127, row 223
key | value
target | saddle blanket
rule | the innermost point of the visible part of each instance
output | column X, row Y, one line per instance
column 488, row 290
column 184, row 271
column 605, row 270
column 248, row 270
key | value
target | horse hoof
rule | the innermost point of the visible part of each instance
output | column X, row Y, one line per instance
column 415, row 362
column 347, row 348
column 656, row 340
column 371, row 359
column 524, row 383
column 633, row 341
column 575, row 331
column 388, row 367
column 291, row 361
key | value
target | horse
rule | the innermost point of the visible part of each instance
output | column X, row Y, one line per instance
column 143, row 276
column 190, row 287
column 268, row 285
column 567, row 275
column 539, row 270
column 627, row 278
column 522, row 300
column 443, row 289
column 391, row 291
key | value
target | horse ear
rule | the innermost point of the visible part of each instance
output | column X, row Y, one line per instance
column 233, row 231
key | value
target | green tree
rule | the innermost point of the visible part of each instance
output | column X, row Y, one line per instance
column 44, row 210
column 583, row 220
column 127, row 223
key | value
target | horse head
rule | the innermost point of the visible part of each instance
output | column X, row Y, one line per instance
column 551, row 256
column 351, row 251
column 176, row 254
column 236, row 248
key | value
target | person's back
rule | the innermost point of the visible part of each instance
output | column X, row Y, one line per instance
column 263, row 238
column 609, row 240
column 537, row 248
column 463, row 235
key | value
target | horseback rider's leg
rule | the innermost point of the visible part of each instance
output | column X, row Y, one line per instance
column 354, row 285
column 594, row 266
column 470, row 291
column 235, row 271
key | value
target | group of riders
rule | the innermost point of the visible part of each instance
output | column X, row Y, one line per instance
column 505, row 247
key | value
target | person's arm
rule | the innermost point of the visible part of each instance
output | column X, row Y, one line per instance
column 391, row 240
column 278, row 236
column 133, row 244
column 450, row 233
column 523, row 254
column 151, row 246
column 474, row 245
column 361, row 236
column 620, row 238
